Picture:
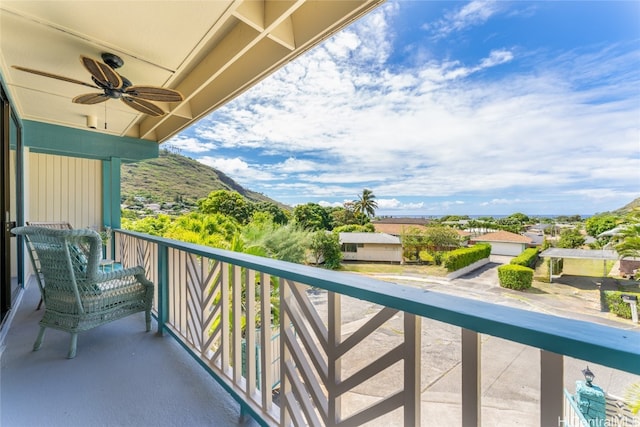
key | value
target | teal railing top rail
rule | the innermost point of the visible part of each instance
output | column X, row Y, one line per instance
column 614, row 347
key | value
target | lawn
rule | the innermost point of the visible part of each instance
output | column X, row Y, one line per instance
column 381, row 268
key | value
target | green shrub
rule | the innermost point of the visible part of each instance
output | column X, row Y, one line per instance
column 527, row 258
column 617, row 306
column 426, row 257
column 515, row 276
column 460, row 258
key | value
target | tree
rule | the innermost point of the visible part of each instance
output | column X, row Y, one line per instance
column 280, row 216
column 441, row 238
column 520, row 217
column 312, row 217
column 229, row 203
column 571, row 238
column 598, row 224
column 366, row 204
column 326, row 246
column 344, row 215
column 630, row 244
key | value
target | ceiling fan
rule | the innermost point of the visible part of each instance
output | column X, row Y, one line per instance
column 115, row 86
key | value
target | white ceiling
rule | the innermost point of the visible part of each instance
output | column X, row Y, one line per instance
column 211, row 51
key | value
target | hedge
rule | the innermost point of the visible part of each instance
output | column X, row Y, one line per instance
column 426, row 257
column 527, row 258
column 617, row 306
column 460, row 258
column 514, row 276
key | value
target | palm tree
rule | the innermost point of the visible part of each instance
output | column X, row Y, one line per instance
column 366, row 204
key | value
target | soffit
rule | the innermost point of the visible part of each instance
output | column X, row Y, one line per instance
column 211, row 51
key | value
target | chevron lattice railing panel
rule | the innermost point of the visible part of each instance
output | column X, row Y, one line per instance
column 324, row 360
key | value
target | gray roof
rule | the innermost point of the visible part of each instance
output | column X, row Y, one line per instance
column 376, row 238
column 580, row 253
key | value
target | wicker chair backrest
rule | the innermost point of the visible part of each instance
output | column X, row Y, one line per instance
column 69, row 259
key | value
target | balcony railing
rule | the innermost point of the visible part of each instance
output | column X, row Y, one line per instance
column 209, row 299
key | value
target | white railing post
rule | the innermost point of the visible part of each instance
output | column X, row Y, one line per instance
column 471, row 379
column 334, row 332
column 551, row 388
column 412, row 369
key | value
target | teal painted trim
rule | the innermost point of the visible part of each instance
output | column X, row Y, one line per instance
column 163, row 287
column 111, row 196
column 106, row 193
column 613, row 347
column 115, row 167
column 64, row 141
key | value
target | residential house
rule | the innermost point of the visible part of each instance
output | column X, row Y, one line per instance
column 504, row 242
column 371, row 247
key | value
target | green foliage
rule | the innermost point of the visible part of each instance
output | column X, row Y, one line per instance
column 441, row 238
column 629, row 245
column 519, row 217
column 278, row 215
column 617, row 306
column 598, row 224
column 345, row 215
column 311, row 217
column 326, row 246
column 355, row 228
column 460, row 258
column 155, row 226
column 571, row 238
column 633, row 397
column 426, row 258
column 527, row 258
column 515, row 276
column 229, row 203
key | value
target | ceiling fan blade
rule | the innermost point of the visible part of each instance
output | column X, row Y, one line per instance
column 54, row 76
column 102, row 72
column 90, row 98
column 154, row 93
column 143, row 106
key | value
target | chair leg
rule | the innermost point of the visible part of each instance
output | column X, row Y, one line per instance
column 73, row 346
column 38, row 343
column 147, row 319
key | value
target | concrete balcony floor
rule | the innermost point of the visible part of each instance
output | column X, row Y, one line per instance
column 121, row 376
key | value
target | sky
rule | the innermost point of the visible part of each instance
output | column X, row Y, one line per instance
column 446, row 108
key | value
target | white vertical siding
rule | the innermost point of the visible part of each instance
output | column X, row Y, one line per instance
column 63, row 188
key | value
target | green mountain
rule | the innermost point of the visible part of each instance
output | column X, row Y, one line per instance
column 172, row 177
column 635, row 203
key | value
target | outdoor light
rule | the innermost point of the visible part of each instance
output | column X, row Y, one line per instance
column 92, row 122
column 588, row 376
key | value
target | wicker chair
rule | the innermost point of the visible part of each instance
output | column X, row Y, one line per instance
column 35, row 262
column 78, row 296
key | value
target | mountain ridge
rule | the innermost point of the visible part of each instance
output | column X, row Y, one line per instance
column 172, row 177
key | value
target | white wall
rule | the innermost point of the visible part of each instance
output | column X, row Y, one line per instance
column 62, row 188
column 385, row 253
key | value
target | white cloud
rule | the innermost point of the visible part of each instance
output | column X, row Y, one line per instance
column 433, row 130
column 472, row 14
column 190, row 144
column 395, row 204
column 237, row 168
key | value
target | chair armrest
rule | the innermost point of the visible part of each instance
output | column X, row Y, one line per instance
column 110, row 276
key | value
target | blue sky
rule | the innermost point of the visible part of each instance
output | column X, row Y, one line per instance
column 479, row 108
